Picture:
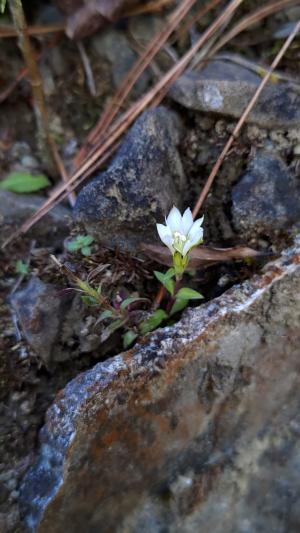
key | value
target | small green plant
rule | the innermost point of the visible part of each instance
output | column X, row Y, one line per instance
column 180, row 234
column 21, row 268
column 22, row 182
column 81, row 243
column 2, row 6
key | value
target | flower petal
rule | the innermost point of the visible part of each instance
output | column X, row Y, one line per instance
column 196, row 234
column 188, row 245
column 174, row 220
column 165, row 235
column 187, row 221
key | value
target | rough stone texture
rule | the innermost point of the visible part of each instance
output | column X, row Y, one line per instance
column 121, row 206
column 16, row 208
column 40, row 311
column 266, row 198
column 195, row 429
column 114, row 47
column 52, row 321
column 224, row 89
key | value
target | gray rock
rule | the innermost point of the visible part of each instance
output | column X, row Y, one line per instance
column 40, row 310
column 195, row 429
column 266, row 198
column 121, row 206
column 16, row 208
column 53, row 322
column 114, row 47
column 144, row 28
column 226, row 89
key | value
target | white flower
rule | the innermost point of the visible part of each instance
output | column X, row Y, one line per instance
column 181, row 233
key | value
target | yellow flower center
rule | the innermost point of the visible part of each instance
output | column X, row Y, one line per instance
column 178, row 241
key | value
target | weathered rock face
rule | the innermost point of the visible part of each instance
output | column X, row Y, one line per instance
column 266, row 198
column 224, row 89
column 197, row 428
column 121, row 206
column 52, row 322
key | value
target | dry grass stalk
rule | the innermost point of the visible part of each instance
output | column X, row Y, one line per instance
column 7, row 31
column 40, row 110
column 126, row 120
column 49, row 152
column 251, row 19
column 241, row 121
column 129, row 81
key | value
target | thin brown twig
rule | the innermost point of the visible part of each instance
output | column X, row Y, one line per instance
column 46, row 144
column 129, row 81
column 24, row 72
column 188, row 25
column 40, row 110
column 8, row 31
column 251, row 19
column 90, row 80
column 128, row 118
column 241, row 121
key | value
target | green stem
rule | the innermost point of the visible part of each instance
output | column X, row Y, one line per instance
column 40, row 110
column 173, row 298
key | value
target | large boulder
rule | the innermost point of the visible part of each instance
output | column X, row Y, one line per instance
column 194, row 429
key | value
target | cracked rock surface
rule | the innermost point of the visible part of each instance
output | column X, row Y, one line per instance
column 196, row 428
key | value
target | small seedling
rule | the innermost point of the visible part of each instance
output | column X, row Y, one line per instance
column 21, row 268
column 22, row 182
column 81, row 243
column 2, row 6
column 180, row 234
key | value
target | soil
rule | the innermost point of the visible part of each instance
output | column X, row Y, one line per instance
column 27, row 388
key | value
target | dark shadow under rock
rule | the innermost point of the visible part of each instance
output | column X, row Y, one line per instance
column 16, row 208
column 121, row 206
column 194, row 429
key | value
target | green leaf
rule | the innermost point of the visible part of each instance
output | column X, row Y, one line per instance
column 89, row 300
column 2, row 6
column 153, row 321
column 73, row 246
column 164, row 276
column 169, row 285
column 166, row 279
column 85, row 240
column 188, row 294
column 21, row 268
column 128, row 338
column 87, row 289
column 170, row 273
column 178, row 305
column 114, row 326
column 130, row 301
column 105, row 314
column 99, row 289
column 86, row 250
column 21, row 182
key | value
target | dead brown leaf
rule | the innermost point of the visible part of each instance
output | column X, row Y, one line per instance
column 85, row 18
column 202, row 256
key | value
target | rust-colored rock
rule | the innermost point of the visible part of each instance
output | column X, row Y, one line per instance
column 195, row 429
